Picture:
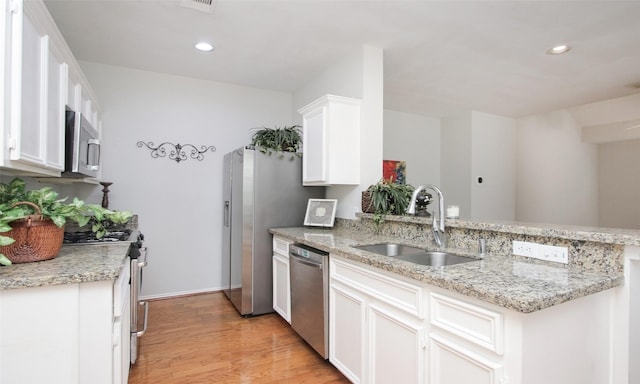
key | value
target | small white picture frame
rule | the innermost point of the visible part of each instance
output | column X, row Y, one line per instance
column 320, row 212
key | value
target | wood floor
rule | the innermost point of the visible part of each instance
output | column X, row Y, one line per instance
column 203, row 339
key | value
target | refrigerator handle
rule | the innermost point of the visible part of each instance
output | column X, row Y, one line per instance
column 226, row 213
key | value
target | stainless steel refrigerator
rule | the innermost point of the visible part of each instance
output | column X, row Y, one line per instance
column 260, row 192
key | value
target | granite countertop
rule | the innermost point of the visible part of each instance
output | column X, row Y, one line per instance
column 510, row 282
column 74, row 264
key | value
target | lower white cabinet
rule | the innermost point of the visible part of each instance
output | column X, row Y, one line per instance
column 376, row 325
column 385, row 328
column 66, row 334
column 281, row 282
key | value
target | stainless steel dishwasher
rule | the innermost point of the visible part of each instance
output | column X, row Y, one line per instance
column 309, row 274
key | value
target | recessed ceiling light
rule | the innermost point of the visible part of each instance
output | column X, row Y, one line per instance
column 558, row 49
column 205, row 47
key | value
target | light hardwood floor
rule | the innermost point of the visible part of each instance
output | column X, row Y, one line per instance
column 203, row 339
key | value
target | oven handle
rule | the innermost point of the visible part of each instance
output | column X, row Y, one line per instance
column 146, row 316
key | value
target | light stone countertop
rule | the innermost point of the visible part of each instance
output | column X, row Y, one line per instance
column 509, row 282
column 74, row 264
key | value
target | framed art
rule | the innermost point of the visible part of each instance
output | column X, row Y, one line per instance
column 320, row 212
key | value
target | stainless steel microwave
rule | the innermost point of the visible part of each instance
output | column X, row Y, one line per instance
column 82, row 147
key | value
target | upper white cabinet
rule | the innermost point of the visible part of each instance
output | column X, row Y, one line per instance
column 36, row 67
column 331, row 141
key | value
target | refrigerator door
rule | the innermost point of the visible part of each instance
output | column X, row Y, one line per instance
column 240, row 240
column 261, row 192
column 226, row 226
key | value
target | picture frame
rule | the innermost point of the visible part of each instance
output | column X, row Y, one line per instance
column 321, row 212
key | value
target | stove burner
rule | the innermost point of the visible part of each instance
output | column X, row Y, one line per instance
column 90, row 237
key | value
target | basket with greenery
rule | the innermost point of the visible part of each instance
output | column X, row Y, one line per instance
column 30, row 216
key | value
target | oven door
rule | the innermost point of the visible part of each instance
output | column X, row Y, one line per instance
column 139, row 308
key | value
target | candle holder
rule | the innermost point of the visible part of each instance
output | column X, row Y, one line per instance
column 105, row 194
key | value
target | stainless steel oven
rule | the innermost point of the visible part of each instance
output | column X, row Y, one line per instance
column 309, row 274
column 139, row 308
column 138, row 254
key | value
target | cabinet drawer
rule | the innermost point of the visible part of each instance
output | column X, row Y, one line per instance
column 398, row 293
column 478, row 325
column 281, row 246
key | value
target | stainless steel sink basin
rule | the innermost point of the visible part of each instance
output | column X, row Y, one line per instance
column 435, row 259
column 391, row 249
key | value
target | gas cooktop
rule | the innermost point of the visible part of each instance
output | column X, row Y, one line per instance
column 84, row 237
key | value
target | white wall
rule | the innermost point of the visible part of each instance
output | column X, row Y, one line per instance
column 416, row 140
column 619, row 184
column 556, row 173
column 493, row 158
column 455, row 163
column 479, row 145
column 179, row 205
column 358, row 75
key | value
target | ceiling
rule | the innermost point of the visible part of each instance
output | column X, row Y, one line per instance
column 440, row 57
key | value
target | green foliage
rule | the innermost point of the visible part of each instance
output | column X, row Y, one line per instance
column 285, row 139
column 389, row 198
column 51, row 207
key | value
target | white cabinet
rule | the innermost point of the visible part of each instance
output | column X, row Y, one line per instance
column 35, row 67
column 387, row 328
column 331, row 141
column 281, row 281
column 65, row 334
column 347, row 326
column 477, row 358
column 376, row 325
column 36, row 91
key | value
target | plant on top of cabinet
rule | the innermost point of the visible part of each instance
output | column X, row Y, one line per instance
column 386, row 198
column 278, row 139
column 36, row 217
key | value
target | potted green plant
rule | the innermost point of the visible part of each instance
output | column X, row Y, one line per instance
column 278, row 139
column 42, row 212
column 387, row 198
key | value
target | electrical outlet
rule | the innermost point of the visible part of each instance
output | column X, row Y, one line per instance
column 541, row 252
column 523, row 248
column 553, row 253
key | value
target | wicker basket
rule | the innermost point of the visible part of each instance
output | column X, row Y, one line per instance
column 367, row 202
column 36, row 238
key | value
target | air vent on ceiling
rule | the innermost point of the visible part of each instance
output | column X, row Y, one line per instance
column 200, row 5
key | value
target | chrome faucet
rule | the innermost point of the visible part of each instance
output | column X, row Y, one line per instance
column 438, row 229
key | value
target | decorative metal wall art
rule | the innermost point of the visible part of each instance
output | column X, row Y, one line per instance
column 178, row 152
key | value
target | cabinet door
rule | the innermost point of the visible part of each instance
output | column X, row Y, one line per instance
column 28, row 55
column 314, row 164
column 347, row 324
column 454, row 364
column 56, row 94
column 396, row 347
column 281, row 288
column 38, row 94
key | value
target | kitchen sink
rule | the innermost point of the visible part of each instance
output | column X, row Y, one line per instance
column 435, row 259
column 391, row 249
column 416, row 255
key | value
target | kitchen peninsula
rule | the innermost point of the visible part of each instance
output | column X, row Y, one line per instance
column 502, row 317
